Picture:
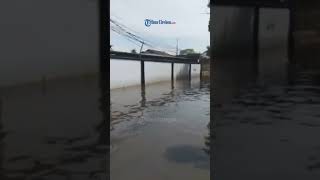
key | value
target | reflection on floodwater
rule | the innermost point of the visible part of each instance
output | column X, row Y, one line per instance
column 270, row 132
column 188, row 154
column 160, row 133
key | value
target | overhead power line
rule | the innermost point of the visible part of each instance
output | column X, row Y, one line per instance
column 124, row 31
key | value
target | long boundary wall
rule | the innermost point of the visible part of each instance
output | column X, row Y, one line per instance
column 125, row 73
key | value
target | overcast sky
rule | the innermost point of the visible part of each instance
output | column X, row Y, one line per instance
column 191, row 26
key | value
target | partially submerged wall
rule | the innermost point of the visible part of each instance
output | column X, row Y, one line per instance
column 273, row 45
column 232, row 52
column 235, row 64
column 307, row 33
column 125, row 73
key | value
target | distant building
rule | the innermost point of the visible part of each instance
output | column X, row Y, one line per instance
column 193, row 55
column 155, row 52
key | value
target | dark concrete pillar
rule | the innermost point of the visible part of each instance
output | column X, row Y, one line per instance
column 142, row 74
column 306, row 33
column 1, row 112
column 256, row 18
column 273, row 46
column 232, row 41
column 201, row 71
column 290, row 34
column 172, row 72
column 189, row 72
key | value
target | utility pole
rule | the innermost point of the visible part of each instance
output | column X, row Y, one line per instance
column 177, row 47
column 172, row 66
column 141, row 49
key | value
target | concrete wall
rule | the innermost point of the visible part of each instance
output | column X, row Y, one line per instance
column 195, row 70
column 234, row 66
column 53, row 38
column 156, row 72
column 307, row 34
column 232, row 31
column 273, row 39
column 125, row 73
column 232, row 52
column 181, row 71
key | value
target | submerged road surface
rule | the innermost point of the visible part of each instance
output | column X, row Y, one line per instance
column 160, row 133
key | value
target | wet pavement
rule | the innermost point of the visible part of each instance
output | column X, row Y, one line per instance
column 53, row 132
column 159, row 132
column 270, row 132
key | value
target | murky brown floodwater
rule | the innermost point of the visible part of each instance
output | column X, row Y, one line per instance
column 52, row 133
column 160, row 133
column 270, row 132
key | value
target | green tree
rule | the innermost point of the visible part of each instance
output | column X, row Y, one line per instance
column 187, row 51
column 208, row 50
column 134, row 51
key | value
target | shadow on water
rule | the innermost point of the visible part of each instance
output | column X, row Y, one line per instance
column 188, row 154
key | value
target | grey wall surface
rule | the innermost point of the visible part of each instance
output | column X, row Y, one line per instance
column 232, row 31
column 232, row 42
column 273, row 45
column 234, row 66
column 53, row 38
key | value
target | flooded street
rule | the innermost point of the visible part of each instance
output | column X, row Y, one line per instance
column 160, row 133
column 270, row 132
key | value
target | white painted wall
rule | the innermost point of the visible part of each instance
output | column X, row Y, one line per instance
column 181, row 71
column 125, row 73
column 195, row 70
column 53, row 38
column 156, row 72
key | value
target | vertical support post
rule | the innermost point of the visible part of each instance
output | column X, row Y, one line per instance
column 1, row 113
column 104, row 101
column 200, row 71
column 256, row 40
column 189, row 72
column 142, row 67
column 291, row 30
column 1, row 107
column 172, row 74
column 291, row 60
column 143, row 96
column 142, row 73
